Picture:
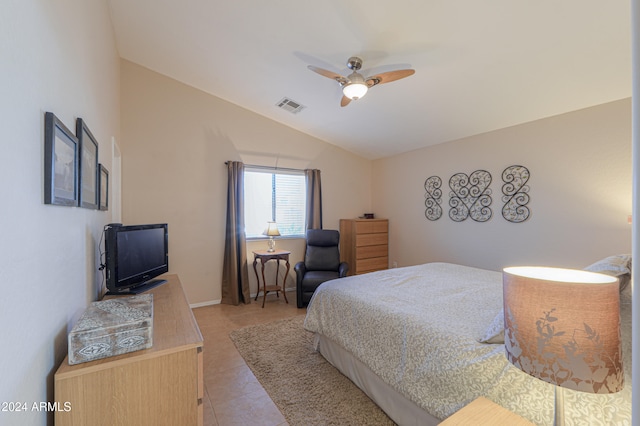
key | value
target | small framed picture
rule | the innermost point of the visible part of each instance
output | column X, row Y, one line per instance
column 103, row 188
column 61, row 154
column 88, row 166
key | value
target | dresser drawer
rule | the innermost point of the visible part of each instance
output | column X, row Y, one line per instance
column 372, row 264
column 372, row 226
column 366, row 252
column 371, row 239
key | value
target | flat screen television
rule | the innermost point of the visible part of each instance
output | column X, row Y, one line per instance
column 134, row 256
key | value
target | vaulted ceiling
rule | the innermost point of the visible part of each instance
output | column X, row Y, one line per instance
column 480, row 66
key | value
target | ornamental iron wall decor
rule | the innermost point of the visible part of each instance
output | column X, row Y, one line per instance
column 433, row 198
column 470, row 196
column 516, row 194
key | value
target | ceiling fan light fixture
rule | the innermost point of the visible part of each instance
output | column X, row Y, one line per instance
column 355, row 85
column 355, row 91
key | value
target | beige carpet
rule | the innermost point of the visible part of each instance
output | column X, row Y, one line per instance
column 305, row 387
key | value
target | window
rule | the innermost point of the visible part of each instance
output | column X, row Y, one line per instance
column 274, row 195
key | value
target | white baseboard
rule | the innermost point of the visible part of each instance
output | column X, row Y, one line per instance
column 203, row 304
column 218, row 301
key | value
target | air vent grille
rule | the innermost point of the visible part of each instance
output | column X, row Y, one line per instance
column 290, row 105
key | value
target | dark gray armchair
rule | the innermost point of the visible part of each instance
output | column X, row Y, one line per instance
column 321, row 263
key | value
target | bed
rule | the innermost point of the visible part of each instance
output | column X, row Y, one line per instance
column 411, row 339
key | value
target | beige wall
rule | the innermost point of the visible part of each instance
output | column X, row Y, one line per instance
column 580, row 166
column 175, row 141
column 59, row 57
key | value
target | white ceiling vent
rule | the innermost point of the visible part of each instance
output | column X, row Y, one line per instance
column 289, row 105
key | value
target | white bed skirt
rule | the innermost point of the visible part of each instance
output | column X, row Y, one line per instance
column 401, row 410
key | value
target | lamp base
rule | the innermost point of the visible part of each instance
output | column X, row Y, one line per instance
column 558, row 409
column 272, row 245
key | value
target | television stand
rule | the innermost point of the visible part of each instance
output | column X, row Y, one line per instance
column 138, row 289
column 161, row 385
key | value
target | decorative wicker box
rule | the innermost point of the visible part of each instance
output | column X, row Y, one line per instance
column 112, row 327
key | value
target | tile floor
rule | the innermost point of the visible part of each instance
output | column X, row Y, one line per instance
column 233, row 396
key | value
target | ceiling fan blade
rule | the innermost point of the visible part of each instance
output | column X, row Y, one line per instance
column 326, row 73
column 388, row 77
column 345, row 101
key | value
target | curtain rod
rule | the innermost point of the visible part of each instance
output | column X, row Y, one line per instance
column 254, row 166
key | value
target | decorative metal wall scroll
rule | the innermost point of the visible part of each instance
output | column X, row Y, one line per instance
column 470, row 196
column 516, row 194
column 433, row 198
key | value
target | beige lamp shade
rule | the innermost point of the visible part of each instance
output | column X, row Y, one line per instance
column 563, row 326
column 272, row 230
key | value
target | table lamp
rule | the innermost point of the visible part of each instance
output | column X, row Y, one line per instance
column 271, row 231
column 562, row 326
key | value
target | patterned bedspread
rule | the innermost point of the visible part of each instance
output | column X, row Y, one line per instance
column 417, row 328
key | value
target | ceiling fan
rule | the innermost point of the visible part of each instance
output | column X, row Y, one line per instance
column 355, row 86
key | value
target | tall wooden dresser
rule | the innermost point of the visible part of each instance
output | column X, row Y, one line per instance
column 364, row 244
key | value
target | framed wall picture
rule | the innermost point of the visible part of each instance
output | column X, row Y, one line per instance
column 61, row 158
column 103, row 188
column 88, row 166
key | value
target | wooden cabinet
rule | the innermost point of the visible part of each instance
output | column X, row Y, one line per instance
column 364, row 244
column 162, row 385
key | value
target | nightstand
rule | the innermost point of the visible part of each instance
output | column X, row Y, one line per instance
column 484, row 412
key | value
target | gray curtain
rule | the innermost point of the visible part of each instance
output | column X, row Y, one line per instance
column 235, row 276
column 314, row 199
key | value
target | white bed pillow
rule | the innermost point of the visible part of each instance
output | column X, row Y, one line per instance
column 495, row 332
column 618, row 266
